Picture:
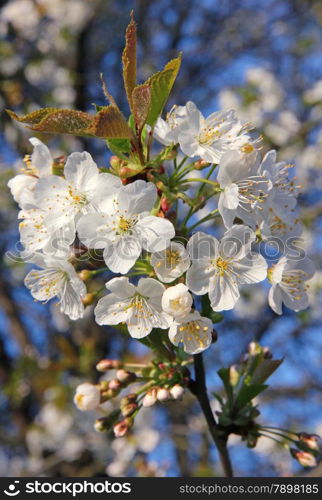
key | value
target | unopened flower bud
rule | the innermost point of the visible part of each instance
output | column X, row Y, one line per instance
column 121, row 428
column 166, row 203
column 160, row 185
column 267, row 353
column 305, row 458
column 309, row 440
column 87, row 397
column 150, row 398
column 115, row 384
column 88, row 299
column 129, row 409
column 125, row 376
column 233, row 375
column 200, row 164
column 85, row 274
column 129, row 399
column 105, row 423
column 115, row 162
column 109, row 394
column 177, row 391
column 108, row 364
column 163, row 395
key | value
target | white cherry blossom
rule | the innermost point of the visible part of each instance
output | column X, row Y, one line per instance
column 220, row 267
column 283, row 190
column 57, row 278
column 170, row 263
column 137, row 306
column 167, row 131
column 272, row 227
column 243, row 188
column 177, row 301
column 288, row 278
column 193, row 330
column 209, row 138
column 36, row 235
column 126, row 227
column 82, row 190
column 38, row 164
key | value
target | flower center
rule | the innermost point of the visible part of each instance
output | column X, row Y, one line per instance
column 194, row 331
column 77, row 197
column 125, row 224
column 294, row 282
column 222, row 265
column 247, row 148
column 29, row 169
column 172, row 258
column 208, row 135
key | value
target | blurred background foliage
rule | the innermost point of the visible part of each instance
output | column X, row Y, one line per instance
column 261, row 57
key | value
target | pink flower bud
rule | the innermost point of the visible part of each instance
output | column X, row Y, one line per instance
column 310, row 440
column 125, row 376
column 177, row 391
column 108, row 364
column 115, row 384
column 304, row 458
column 121, row 428
column 163, row 395
column 150, row 398
column 129, row 409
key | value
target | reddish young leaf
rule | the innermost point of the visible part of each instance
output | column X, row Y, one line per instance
column 109, row 123
column 129, row 59
column 141, row 102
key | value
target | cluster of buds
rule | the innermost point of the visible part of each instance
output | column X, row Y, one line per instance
column 159, row 381
column 308, row 449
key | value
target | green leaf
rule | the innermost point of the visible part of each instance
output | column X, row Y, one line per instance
column 264, row 370
column 141, row 102
column 129, row 60
column 247, row 393
column 225, row 377
column 161, row 85
column 119, row 147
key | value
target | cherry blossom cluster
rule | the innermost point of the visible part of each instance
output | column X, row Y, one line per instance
column 73, row 204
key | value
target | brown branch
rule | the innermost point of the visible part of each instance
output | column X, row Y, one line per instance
column 199, row 389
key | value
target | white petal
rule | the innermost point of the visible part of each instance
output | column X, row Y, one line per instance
column 111, row 310
column 154, row 233
column 121, row 287
column 137, row 197
column 228, row 214
column 236, row 242
column 122, row 255
column 19, row 184
column 149, row 287
column 251, row 269
column 202, row 245
column 198, row 278
column 95, row 230
column 70, row 302
column 81, row 171
column 41, row 157
column 275, row 299
column 224, row 294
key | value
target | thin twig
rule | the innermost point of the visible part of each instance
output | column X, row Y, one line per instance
column 199, row 389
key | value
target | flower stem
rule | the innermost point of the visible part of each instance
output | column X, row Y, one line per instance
column 199, row 389
column 212, row 214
